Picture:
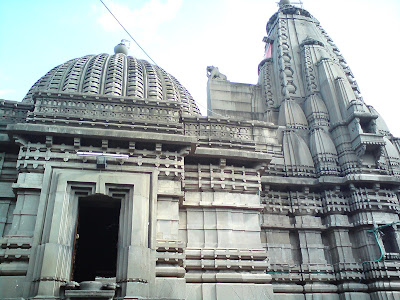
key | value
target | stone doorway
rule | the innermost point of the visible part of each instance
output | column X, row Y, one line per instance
column 96, row 238
column 135, row 202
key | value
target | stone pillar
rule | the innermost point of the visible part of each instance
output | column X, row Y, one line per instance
column 317, row 272
column 6, row 209
column 170, row 273
column 17, row 243
column 135, row 266
column 25, row 212
column 224, row 255
column 7, row 197
column 348, row 268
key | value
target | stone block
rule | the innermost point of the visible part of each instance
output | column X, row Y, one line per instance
column 324, row 296
column 354, row 296
column 167, row 209
column 210, row 238
column 169, row 187
column 195, row 238
column 11, row 287
column 136, row 290
column 30, row 180
column 210, row 219
column 320, row 288
column 194, row 291
column 167, row 230
column 251, row 221
column 288, row 297
column 6, row 190
column 209, row 291
column 139, row 263
column 170, row 288
column 225, row 238
column 195, row 219
column 227, row 291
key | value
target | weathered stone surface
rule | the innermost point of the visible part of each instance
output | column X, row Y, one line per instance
column 289, row 189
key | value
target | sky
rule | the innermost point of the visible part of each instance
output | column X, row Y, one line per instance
column 185, row 36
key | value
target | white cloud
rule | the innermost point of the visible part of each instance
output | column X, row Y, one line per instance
column 143, row 22
column 230, row 38
column 3, row 76
column 232, row 42
column 6, row 92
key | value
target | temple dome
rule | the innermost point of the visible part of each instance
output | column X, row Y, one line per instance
column 114, row 75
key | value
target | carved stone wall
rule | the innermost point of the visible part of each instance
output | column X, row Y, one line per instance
column 290, row 190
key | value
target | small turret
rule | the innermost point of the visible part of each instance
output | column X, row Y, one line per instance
column 122, row 47
column 284, row 2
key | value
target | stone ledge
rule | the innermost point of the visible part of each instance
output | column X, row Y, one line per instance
column 238, row 154
column 101, row 133
column 231, row 277
column 89, row 294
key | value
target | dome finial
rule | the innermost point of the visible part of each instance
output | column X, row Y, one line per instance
column 122, row 47
column 284, row 2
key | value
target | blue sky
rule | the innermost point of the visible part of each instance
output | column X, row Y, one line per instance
column 185, row 36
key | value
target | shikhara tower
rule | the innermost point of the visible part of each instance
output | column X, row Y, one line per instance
column 113, row 186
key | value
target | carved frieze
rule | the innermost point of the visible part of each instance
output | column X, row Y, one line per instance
column 310, row 74
column 229, row 178
column 218, row 130
column 13, row 112
column 286, row 73
column 107, row 112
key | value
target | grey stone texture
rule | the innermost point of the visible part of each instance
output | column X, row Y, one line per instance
column 289, row 189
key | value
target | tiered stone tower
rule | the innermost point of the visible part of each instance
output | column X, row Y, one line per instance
column 330, row 198
column 113, row 186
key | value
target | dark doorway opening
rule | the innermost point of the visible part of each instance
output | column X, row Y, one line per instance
column 389, row 240
column 95, row 253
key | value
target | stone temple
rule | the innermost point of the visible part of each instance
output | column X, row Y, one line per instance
column 114, row 186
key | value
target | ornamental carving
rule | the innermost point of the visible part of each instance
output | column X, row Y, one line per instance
column 284, row 60
column 225, row 131
column 98, row 110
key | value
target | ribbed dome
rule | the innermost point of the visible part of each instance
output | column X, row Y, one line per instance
column 114, row 75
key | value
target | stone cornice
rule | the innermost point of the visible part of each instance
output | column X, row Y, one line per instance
column 100, row 133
